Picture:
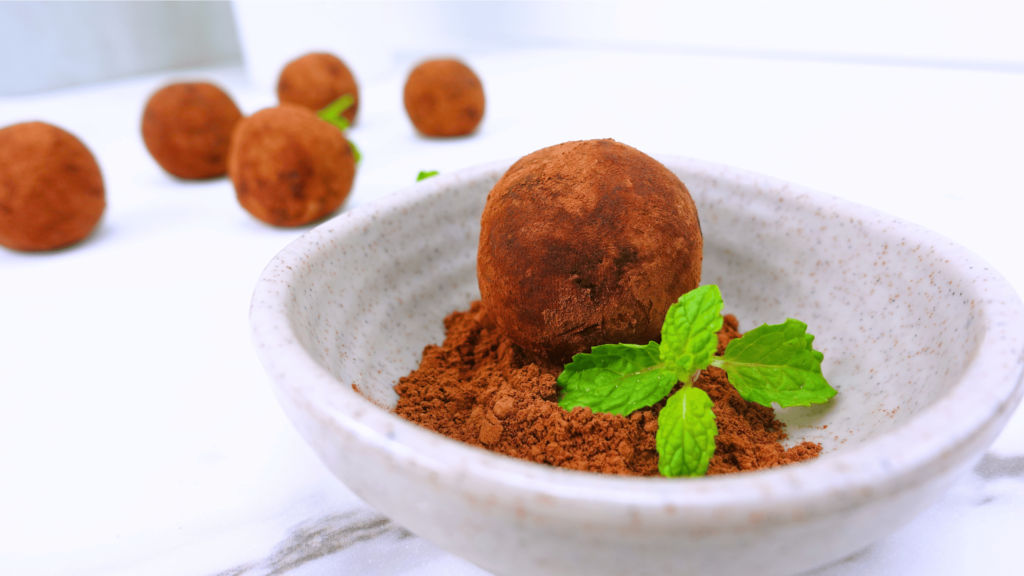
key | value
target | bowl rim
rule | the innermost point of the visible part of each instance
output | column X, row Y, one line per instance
column 888, row 464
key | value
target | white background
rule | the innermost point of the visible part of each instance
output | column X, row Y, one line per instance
column 137, row 431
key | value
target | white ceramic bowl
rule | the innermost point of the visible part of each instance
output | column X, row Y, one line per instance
column 922, row 339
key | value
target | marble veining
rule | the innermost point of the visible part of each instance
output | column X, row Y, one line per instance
column 991, row 467
column 314, row 539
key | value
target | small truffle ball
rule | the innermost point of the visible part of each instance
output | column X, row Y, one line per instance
column 315, row 80
column 51, row 189
column 444, row 98
column 289, row 167
column 187, row 129
column 586, row 243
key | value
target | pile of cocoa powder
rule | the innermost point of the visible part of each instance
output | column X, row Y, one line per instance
column 480, row 388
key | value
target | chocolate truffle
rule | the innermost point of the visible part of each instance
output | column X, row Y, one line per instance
column 315, row 80
column 187, row 128
column 289, row 167
column 51, row 189
column 444, row 98
column 586, row 243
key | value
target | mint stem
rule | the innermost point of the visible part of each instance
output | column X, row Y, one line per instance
column 694, row 377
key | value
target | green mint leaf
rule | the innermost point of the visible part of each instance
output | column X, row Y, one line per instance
column 689, row 336
column 424, row 174
column 355, row 152
column 776, row 363
column 340, row 122
column 616, row 379
column 686, row 434
column 333, row 111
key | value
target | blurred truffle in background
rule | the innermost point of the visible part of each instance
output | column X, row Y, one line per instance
column 51, row 189
column 187, row 129
column 315, row 80
column 289, row 167
column 444, row 98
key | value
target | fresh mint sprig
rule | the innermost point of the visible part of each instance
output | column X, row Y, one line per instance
column 424, row 174
column 771, row 363
column 332, row 113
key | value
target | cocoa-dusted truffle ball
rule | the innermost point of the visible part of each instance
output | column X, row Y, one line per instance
column 315, row 80
column 51, row 190
column 289, row 167
column 586, row 243
column 187, row 128
column 444, row 98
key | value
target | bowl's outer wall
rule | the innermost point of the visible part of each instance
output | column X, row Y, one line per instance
column 897, row 318
column 510, row 535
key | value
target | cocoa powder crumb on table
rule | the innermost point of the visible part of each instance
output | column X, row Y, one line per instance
column 480, row 388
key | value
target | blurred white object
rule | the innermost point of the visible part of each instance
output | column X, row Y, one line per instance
column 47, row 45
column 376, row 37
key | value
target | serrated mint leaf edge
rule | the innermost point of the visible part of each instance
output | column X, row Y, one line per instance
column 695, row 357
column 748, row 378
column 815, row 391
column 675, row 464
column 569, row 380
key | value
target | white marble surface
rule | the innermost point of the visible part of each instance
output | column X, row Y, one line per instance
column 139, row 432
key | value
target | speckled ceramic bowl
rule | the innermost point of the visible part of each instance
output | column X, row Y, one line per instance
column 922, row 340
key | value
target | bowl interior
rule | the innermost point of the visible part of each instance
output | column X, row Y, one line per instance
column 895, row 320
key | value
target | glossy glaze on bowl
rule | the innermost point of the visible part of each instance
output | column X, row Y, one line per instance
column 921, row 338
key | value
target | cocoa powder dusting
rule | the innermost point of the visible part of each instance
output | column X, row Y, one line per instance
column 480, row 388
